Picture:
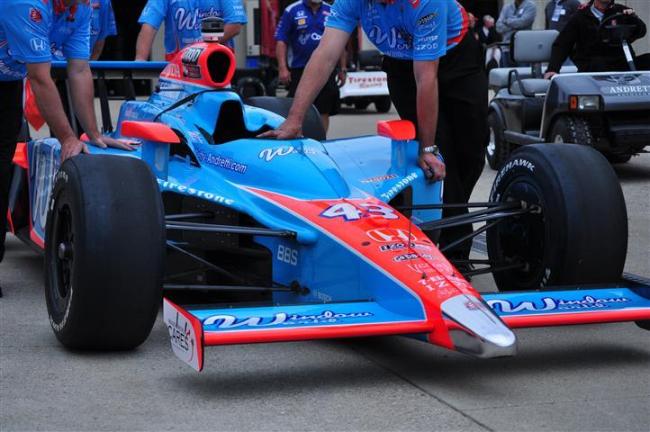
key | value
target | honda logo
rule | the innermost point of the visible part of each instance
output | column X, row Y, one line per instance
column 38, row 44
column 386, row 235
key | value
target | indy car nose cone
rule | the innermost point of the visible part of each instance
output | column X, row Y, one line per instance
column 479, row 331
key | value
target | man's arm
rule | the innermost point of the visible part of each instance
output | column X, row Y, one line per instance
column 49, row 104
column 144, row 42
column 426, row 79
column 501, row 25
column 97, row 49
column 230, row 31
column 526, row 19
column 283, row 69
column 562, row 47
column 317, row 72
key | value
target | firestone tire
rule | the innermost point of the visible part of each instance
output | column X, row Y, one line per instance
column 104, row 253
column 312, row 126
column 579, row 234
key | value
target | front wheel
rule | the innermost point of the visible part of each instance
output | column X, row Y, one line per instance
column 104, row 253
column 577, row 231
column 383, row 104
column 498, row 148
column 571, row 129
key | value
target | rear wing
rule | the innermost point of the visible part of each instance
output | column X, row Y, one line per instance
column 125, row 71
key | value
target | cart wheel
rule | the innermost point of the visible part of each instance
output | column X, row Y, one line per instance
column 104, row 253
column 383, row 104
column 361, row 105
column 312, row 126
column 498, row 148
column 577, row 233
column 575, row 130
column 618, row 158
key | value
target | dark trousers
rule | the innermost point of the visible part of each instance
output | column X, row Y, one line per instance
column 462, row 133
column 11, row 114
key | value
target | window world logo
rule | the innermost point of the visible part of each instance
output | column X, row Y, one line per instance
column 225, row 322
column 552, row 304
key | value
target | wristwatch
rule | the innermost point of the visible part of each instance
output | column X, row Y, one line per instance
column 431, row 149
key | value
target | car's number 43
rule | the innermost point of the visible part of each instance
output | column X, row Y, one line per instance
column 350, row 212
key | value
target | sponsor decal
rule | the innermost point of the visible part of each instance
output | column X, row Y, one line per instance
column 35, row 15
column 414, row 3
column 630, row 90
column 192, row 71
column 427, row 18
column 551, row 304
column 191, row 56
column 401, row 246
column 511, row 165
column 411, row 256
column 269, row 154
column 304, row 38
column 172, row 71
column 379, row 178
column 394, row 38
column 350, row 212
column 367, row 81
column 186, row 19
column 166, row 185
column 399, row 186
column 183, row 336
column 38, row 44
column 287, row 255
column 224, row 322
column 390, row 235
column 221, row 162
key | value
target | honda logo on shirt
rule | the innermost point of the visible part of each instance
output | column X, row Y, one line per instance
column 386, row 235
column 38, row 44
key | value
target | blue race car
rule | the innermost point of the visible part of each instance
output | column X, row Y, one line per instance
column 256, row 240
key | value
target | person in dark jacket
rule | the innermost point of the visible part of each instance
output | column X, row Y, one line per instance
column 559, row 12
column 581, row 41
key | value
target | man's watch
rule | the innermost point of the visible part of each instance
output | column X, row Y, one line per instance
column 431, row 149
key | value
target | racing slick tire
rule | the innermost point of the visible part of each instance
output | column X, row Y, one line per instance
column 498, row 148
column 104, row 253
column 383, row 104
column 570, row 129
column 577, row 233
column 312, row 126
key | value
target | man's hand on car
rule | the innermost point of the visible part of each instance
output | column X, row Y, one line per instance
column 72, row 147
column 287, row 130
column 433, row 167
column 104, row 141
column 549, row 75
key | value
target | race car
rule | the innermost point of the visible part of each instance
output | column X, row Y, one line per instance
column 256, row 240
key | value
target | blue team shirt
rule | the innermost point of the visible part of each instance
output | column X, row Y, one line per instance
column 34, row 31
column 183, row 18
column 102, row 24
column 404, row 29
column 301, row 29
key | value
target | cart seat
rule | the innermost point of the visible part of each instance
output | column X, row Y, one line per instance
column 537, row 86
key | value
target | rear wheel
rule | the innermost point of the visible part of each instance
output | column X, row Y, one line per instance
column 383, row 104
column 104, row 253
column 312, row 125
column 618, row 158
column 498, row 148
column 361, row 105
column 578, row 231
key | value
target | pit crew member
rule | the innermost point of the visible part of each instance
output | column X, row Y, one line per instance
column 300, row 29
column 30, row 31
column 580, row 40
column 436, row 79
column 182, row 20
column 102, row 25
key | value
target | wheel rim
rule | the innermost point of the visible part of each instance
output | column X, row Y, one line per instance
column 492, row 145
column 62, row 253
column 558, row 139
column 523, row 238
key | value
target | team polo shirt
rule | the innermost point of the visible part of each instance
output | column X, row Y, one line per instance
column 301, row 29
column 35, row 31
column 182, row 19
column 404, row 29
column 102, row 24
